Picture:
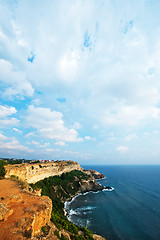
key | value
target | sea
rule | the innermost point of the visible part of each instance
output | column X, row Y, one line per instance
column 130, row 211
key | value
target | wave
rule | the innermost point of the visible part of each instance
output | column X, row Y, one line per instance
column 108, row 190
column 73, row 212
column 67, row 203
column 79, row 211
column 101, row 179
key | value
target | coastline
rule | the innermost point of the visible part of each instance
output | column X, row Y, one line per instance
column 61, row 190
column 71, row 199
column 68, row 212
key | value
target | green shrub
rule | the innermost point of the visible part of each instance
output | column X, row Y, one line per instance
column 13, row 177
column 56, row 233
column 63, row 237
column 2, row 169
column 45, row 229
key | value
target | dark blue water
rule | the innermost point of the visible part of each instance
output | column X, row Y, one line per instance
column 131, row 211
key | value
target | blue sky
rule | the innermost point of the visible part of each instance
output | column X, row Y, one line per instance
column 80, row 80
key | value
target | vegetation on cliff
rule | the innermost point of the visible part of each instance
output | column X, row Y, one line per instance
column 2, row 169
column 60, row 189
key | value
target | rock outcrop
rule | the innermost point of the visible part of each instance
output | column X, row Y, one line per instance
column 95, row 174
column 21, row 214
column 98, row 237
column 4, row 211
column 33, row 173
column 89, row 185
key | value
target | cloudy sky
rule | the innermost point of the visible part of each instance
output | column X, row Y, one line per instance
column 80, row 80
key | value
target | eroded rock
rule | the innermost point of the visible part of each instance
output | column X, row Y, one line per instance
column 33, row 173
column 22, row 215
column 5, row 212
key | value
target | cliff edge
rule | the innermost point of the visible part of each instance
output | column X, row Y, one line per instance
column 22, row 215
column 33, row 173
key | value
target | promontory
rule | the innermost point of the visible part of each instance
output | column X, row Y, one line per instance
column 32, row 197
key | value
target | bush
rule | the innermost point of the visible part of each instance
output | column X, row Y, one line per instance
column 63, row 237
column 45, row 229
column 2, row 169
column 56, row 233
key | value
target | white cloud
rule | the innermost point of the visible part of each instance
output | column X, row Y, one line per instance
column 68, row 66
column 6, row 111
column 122, row 149
column 13, row 145
column 60, row 144
column 155, row 132
column 71, row 152
column 130, row 137
column 51, row 150
column 87, row 138
column 49, row 124
column 14, row 80
column 105, row 64
column 5, row 119
column 36, row 102
column 39, row 144
column 17, row 130
column 130, row 115
column 146, row 133
column 3, row 137
column 35, row 143
column 77, row 125
column 31, row 134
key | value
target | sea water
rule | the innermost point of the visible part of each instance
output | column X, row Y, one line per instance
column 131, row 211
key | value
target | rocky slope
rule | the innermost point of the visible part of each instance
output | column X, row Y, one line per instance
column 22, row 214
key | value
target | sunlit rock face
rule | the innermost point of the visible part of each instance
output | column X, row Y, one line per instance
column 33, row 173
column 95, row 174
column 22, row 214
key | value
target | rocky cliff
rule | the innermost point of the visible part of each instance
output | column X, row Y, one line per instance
column 61, row 189
column 22, row 215
column 33, row 173
column 95, row 174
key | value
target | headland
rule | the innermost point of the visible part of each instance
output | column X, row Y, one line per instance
column 32, row 207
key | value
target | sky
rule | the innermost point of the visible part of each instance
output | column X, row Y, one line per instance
column 80, row 80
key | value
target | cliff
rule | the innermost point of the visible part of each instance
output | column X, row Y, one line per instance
column 95, row 174
column 25, row 212
column 63, row 188
column 22, row 215
column 33, row 173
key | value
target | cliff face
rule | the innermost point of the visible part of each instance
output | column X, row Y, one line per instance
column 22, row 214
column 33, row 173
column 95, row 174
column 89, row 185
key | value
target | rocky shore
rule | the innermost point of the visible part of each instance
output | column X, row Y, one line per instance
column 27, row 215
